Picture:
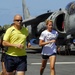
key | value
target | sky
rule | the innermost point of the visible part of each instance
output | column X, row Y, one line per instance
column 9, row 8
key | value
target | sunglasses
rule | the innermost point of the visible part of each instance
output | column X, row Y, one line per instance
column 18, row 20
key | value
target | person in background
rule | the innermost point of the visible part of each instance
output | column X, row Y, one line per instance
column 15, row 39
column 3, row 49
column 47, row 39
column 12, row 24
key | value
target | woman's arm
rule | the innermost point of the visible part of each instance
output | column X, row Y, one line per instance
column 42, row 43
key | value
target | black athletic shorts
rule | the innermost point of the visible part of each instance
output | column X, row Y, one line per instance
column 47, row 56
column 18, row 63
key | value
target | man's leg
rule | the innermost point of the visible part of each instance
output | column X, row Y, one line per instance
column 20, row 73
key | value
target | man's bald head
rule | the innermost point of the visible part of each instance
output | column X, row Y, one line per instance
column 17, row 17
column 18, row 21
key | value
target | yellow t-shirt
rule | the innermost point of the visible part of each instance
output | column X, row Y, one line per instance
column 15, row 36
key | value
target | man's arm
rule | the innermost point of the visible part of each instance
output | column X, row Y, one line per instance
column 7, row 44
column 28, row 42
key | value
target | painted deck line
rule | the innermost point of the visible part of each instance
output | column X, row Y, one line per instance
column 55, row 63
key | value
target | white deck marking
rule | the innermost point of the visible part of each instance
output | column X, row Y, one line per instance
column 55, row 63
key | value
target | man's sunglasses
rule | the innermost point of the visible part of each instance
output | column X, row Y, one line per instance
column 18, row 20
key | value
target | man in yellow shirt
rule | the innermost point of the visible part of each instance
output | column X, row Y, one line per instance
column 15, row 40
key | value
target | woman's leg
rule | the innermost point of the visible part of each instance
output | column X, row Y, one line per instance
column 52, row 64
column 44, row 61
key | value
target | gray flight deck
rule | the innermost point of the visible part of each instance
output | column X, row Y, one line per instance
column 65, row 64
